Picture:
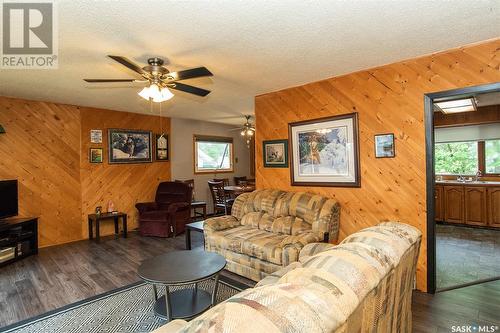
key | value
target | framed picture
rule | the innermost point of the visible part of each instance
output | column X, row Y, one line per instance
column 275, row 153
column 325, row 152
column 384, row 145
column 129, row 146
column 162, row 147
column 95, row 136
column 95, row 155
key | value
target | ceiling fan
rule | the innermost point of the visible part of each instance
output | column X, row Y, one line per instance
column 247, row 130
column 160, row 79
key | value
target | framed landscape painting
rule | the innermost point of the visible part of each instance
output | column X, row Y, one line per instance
column 384, row 145
column 325, row 152
column 129, row 146
column 275, row 153
column 95, row 155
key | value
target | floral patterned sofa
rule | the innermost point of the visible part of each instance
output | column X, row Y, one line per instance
column 362, row 285
column 267, row 229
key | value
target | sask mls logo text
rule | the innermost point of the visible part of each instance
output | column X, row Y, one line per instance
column 29, row 35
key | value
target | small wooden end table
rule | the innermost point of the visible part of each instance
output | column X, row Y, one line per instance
column 195, row 226
column 97, row 218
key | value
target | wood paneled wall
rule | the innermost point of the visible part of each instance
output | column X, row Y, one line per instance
column 483, row 115
column 46, row 148
column 387, row 99
column 42, row 150
column 124, row 184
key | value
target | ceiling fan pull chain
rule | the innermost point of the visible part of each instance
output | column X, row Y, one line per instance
column 161, row 122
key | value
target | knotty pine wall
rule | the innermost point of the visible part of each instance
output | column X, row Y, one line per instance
column 46, row 148
column 124, row 184
column 42, row 150
column 387, row 99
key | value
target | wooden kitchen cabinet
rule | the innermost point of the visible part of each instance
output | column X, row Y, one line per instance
column 475, row 198
column 453, row 204
column 438, row 203
column 473, row 204
column 493, row 204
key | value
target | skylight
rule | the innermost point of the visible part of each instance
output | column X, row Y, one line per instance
column 456, row 106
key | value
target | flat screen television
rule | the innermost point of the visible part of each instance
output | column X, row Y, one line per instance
column 8, row 198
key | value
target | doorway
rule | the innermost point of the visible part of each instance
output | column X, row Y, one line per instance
column 461, row 202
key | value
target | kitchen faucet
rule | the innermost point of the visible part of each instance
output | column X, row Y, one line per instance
column 478, row 174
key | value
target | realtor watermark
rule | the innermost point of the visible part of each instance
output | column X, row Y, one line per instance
column 29, row 35
column 474, row 328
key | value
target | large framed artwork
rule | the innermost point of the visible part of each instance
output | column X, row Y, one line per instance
column 325, row 152
column 275, row 153
column 129, row 146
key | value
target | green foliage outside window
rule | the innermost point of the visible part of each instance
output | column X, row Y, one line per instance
column 492, row 156
column 211, row 154
column 456, row 158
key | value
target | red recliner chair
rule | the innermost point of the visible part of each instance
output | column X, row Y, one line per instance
column 169, row 213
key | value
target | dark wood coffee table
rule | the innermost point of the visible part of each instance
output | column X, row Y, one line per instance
column 195, row 226
column 182, row 268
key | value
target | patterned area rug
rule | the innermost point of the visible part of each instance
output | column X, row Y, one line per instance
column 129, row 309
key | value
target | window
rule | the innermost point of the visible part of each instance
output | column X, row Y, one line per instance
column 213, row 154
column 492, row 156
column 456, row 158
column 466, row 158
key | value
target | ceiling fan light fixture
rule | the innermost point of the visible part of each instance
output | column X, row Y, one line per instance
column 243, row 133
column 156, row 94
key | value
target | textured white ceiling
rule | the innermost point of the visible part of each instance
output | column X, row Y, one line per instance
column 252, row 47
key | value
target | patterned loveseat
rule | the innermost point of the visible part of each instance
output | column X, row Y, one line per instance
column 362, row 285
column 267, row 229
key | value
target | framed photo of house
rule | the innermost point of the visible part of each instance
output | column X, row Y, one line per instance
column 275, row 153
column 384, row 145
column 129, row 146
column 95, row 155
column 325, row 152
column 161, row 147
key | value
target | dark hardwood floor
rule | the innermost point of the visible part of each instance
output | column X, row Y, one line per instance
column 474, row 306
column 64, row 274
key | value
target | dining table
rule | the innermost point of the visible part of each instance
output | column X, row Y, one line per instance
column 236, row 190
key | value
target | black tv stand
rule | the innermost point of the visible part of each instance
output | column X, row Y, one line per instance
column 19, row 235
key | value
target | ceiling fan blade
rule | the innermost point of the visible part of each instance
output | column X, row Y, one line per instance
column 190, row 73
column 236, row 129
column 129, row 64
column 111, row 80
column 189, row 89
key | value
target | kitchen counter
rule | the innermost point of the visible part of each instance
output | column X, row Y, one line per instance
column 468, row 183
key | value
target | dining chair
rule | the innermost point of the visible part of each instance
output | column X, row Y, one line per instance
column 238, row 180
column 222, row 203
column 224, row 180
column 195, row 204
